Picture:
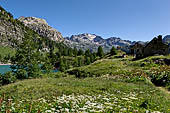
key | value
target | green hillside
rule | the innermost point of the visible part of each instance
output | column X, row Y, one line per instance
column 107, row 85
column 87, row 82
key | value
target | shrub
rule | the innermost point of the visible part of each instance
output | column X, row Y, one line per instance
column 7, row 78
column 80, row 73
column 160, row 76
column 136, row 76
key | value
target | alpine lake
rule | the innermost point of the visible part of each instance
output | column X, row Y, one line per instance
column 6, row 68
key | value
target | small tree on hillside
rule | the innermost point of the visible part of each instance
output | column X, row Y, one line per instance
column 80, row 52
column 87, row 53
column 100, row 52
column 27, row 57
column 113, row 51
column 75, row 51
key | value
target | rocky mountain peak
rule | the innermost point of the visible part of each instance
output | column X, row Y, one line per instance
column 33, row 20
column 91, row 41
column 41, row 27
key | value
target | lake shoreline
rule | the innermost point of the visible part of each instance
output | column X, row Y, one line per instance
column 4, row 64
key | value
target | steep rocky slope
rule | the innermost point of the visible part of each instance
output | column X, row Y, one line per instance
column 13, row 30
column 41, row 27
column 10, row 29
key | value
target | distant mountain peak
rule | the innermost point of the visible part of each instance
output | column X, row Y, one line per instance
column 92, row 41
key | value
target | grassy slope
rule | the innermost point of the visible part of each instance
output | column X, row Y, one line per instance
column 49, row 88
column 115, row 66
column 148, row 96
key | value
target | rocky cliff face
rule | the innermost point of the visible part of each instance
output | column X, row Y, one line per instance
column 91, row 41
column 13, row 30
column 10, row 29
column 41, row 27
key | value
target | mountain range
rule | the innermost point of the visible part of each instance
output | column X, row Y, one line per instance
column 11, row 29
column 91, row 41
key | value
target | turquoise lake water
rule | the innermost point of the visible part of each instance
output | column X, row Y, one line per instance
column 6, row 68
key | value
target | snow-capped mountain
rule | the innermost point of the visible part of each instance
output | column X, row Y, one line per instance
column 91, row 41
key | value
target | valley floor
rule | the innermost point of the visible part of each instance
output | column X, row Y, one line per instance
column 70, row 94
column 107, row 85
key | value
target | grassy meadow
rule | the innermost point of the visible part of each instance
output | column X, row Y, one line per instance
column 108, row 85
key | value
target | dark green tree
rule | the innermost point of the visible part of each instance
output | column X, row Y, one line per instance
column 80, row 61
column 75, row 51
column 76, row 62
column 113, row 51
column 80, row 52
column 47, row 65
column 70, row 52
column 65, row 52
column 27, row 58
column 87, row 60
column 87, row 53
column 100, row 52
column 62, row 66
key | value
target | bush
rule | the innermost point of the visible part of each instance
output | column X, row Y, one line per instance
column 136, row 76
column 7, row 78
column 54, row 75
column 160, row 76
column 79, row 73
column 113, row 51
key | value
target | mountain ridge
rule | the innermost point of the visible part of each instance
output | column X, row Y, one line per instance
column 92, row 41
column 41, row 27
column 14, row 29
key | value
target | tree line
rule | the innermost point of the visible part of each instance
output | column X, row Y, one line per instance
column 37, row 55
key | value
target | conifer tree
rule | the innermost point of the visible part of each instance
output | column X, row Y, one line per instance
column 27, row 57
column 87, row 53
column 100, row 52
column 62, row 66
column 80, row 61
column 113, row 51
column 80, row 52
column 87, row 60
column 75, row 51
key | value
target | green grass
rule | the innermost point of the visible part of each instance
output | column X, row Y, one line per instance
column 4, row 51
column 121, row 87
column 148, row 96
column 118, row 66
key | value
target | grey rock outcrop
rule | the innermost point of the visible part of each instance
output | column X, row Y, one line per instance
column 41, row 27
column 10, row 30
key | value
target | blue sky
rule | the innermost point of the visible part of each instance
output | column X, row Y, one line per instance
column 127, row 19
